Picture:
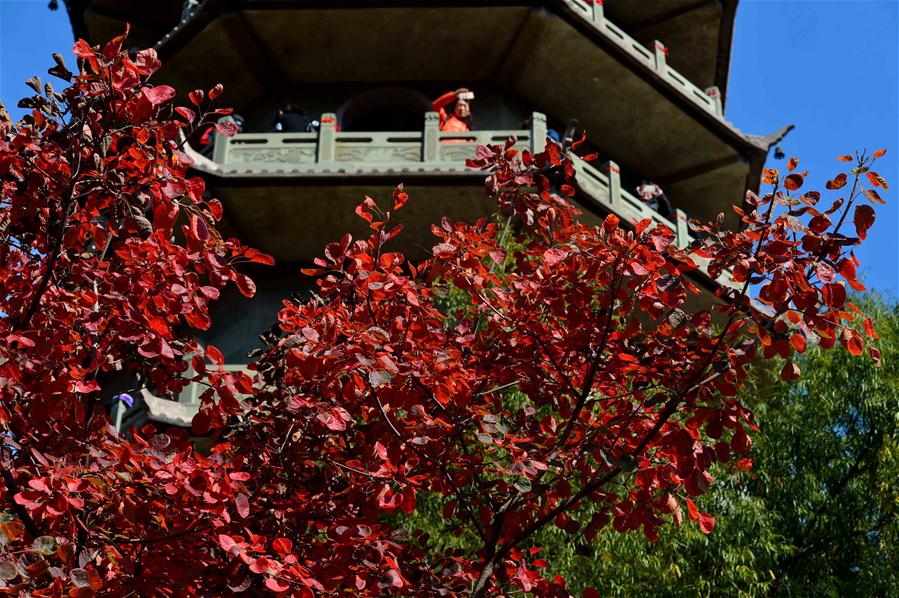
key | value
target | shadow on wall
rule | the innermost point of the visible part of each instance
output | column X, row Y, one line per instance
column 384, row 109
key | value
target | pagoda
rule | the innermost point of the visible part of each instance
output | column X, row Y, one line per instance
column 646, row 81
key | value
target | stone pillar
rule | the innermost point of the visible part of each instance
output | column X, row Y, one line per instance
column 612, row 171
column 661, row 54
column 327, row 138
column 714, row 93
column 220, row 147
column 599, row 16
column 682, row 230
column 189, row 8
column 538, row 132
column 430, row 139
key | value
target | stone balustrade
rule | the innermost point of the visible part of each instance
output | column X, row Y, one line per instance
column 656, row 59
column 330, row 150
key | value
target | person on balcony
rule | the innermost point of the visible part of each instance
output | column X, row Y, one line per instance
column 292, row 119
column 455, row 110
column 653, row 196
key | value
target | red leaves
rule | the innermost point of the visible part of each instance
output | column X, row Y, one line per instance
column 226, row 542
column 834, row 295
column 877, row 180
column 554, row 255
column 196, row 97
column 706, row 523
column 400, row 197
column 335, row 418
column 257, row 257
column 610, row 223
column 86, row 387
column 869, row 328
column 863, row 220
column 789, row 372
column 276, row 585
column 214, row 355
column 242, row 503
column 853, row 342
column 837, row 182
column 186, row 113
column 740, row 443
column 872, row 196
column 793, row 182
column 367, row 210
column 283, row 546
column 245, row 284
column 158, row 95
column 226, row 128
column 21, row 340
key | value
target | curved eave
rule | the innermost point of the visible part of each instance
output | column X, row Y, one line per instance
column 725, row 44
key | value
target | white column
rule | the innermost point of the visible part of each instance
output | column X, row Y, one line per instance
column 661, row 54
column 538, row 132
column 327, row 138
column 430, row 140
column 612, row 171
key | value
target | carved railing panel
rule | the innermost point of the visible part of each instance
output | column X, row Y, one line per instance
column 654, row 58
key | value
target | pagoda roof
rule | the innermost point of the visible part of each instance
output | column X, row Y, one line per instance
column 698, row 33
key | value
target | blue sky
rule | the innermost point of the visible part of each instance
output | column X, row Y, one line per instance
column 829, row 67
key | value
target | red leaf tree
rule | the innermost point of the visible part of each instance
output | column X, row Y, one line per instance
column 534, row 371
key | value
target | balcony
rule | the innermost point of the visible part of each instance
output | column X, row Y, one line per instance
column 332, row 151
column 565, row 57
column 391, row 157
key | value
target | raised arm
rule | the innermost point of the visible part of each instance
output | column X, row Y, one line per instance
column 440, row 103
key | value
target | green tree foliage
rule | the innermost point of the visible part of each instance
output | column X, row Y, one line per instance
column 817, row 515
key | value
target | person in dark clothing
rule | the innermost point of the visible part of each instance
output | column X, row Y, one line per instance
column 569, row 135
column 550, row 132
column 653, row 196
column 292, row 119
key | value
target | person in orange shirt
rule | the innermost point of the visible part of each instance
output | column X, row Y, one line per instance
column 454, row 110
